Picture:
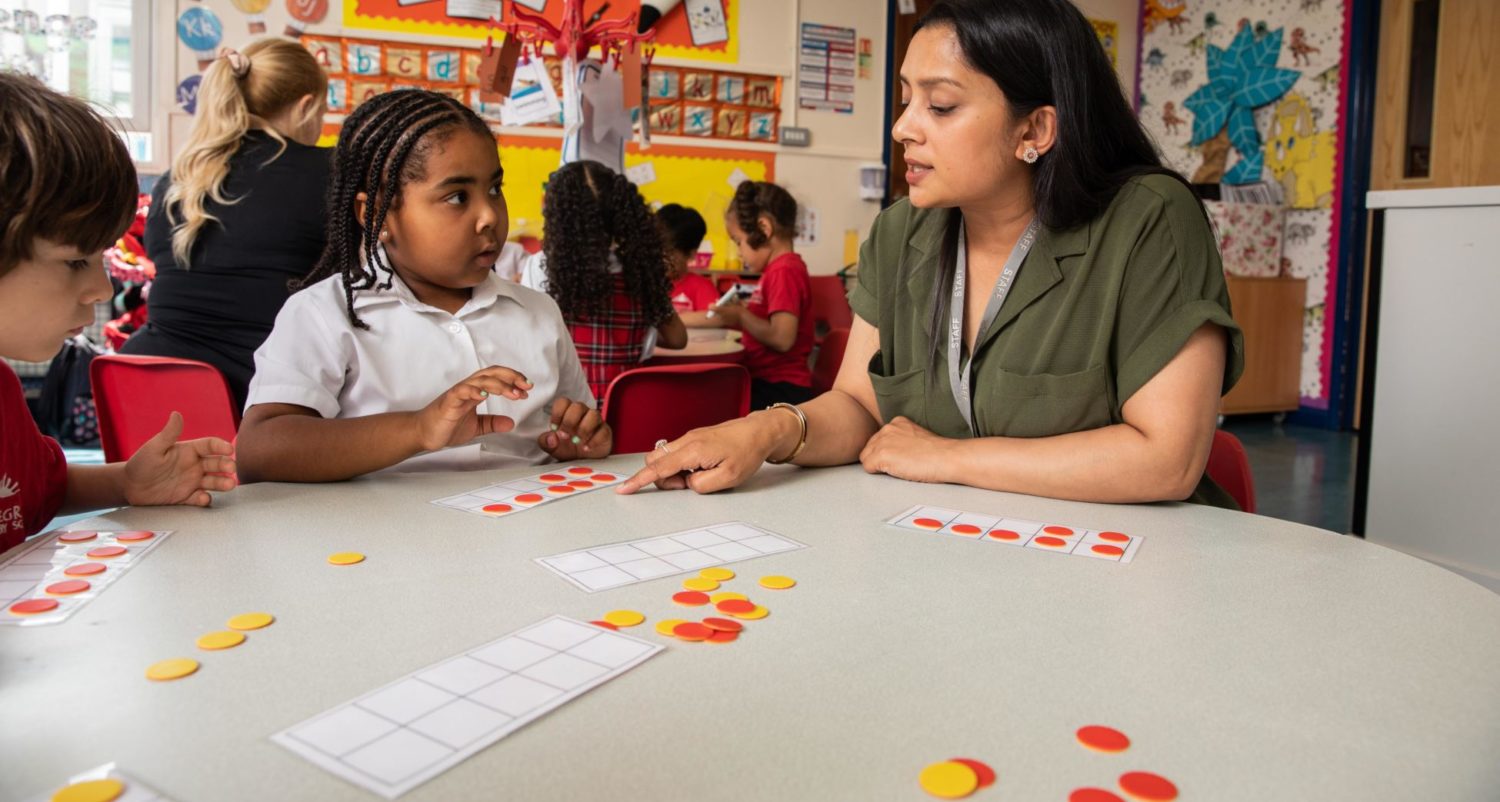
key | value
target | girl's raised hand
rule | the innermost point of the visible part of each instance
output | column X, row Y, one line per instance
column 452, row 418
column 576, row 431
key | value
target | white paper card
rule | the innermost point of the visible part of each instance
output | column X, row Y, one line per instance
column 618, row 564
column 401, row 735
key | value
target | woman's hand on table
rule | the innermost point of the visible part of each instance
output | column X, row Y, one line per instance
column 907, row 451
column 715, row 457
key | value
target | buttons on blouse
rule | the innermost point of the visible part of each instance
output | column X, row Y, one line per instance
column 455, row 327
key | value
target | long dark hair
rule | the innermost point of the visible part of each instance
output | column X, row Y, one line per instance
column 1044, row 53
column 590, row 210
column 383, row 145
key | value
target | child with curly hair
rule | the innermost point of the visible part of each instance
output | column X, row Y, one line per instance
column 603, row 262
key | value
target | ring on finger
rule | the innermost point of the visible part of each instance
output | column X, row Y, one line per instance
column 661, row 445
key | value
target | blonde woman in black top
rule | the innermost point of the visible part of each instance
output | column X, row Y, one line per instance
column 240, row 214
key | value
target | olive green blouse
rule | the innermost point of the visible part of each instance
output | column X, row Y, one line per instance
column 1094, row 312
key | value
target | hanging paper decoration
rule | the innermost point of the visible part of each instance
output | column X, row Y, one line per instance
column 304, row 13
column 1241, row 78
column 201, row 31
column 255, row 12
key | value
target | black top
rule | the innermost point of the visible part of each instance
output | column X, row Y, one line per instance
column 222, row 308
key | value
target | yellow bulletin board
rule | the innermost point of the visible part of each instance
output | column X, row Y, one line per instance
column 692, row 176
column 696, row 177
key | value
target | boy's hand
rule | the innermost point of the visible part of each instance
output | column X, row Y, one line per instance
column 165, row 471
column 728, row 314
column 577, row 431
column 451, row 419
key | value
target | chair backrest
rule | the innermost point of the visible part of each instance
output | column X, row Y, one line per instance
column 1229, row 467
column 830, row 356
column 830, row 306
column 135, row 395
column 654, row 403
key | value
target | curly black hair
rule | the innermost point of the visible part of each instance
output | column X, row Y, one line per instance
column 383, row 145
column 588, row 211
column 752, row 199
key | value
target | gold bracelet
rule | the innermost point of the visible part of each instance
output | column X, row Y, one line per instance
column 801, row 440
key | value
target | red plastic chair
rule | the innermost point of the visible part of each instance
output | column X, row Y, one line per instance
column 134, row 396
column 653, row 403
column 1229, row 467
column 830, row 306
column 830, row 356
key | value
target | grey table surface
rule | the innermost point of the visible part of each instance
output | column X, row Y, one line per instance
column 1246, row 658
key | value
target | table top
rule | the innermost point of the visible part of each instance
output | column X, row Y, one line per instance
column 1245, row 657
column 704, row 342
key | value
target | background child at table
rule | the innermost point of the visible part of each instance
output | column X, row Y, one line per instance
column 405, row 302
column 70, row 192
column 682, row 231
column 777, row 319
column 602, row 262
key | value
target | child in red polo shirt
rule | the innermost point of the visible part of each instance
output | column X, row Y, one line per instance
column 777, row 320
column 70, row 193
column 682, row 232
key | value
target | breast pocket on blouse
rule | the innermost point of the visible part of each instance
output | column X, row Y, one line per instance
column 1043, row 404
column 899, row 394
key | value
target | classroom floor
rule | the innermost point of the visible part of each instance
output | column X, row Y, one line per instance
column 1302, row 474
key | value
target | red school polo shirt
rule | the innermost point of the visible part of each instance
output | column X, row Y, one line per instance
column 33, row 472
column 784, row 287
column 693, row 293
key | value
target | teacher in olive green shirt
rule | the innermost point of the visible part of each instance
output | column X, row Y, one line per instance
column 1045, row 314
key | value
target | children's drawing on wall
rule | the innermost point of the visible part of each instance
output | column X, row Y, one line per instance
column 1247, row 94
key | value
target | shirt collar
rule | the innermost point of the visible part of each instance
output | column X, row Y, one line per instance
column 484, row 295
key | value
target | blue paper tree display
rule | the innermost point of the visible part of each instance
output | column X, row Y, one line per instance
column 1241, row 78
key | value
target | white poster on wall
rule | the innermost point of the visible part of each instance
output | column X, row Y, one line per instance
column 826, row 68
column 532, row 97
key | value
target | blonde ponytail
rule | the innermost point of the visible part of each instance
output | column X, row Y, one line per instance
column 240, row 91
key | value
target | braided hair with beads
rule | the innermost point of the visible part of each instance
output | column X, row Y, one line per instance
column 383, row 145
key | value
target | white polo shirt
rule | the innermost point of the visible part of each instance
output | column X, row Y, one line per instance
column 412, row 353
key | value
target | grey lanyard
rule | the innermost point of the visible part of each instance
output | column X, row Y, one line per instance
column 958, row 378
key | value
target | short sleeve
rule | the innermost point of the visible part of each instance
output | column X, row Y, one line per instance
column 303, row 362
column 864, row 296
column 702, row 294
column 786, row 290
column 1173, row 285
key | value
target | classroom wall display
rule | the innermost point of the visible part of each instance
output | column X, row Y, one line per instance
column 703, row 178
column 1108, row 32
column 697, row 102
column 710, row 103
column 675, row 36
column 1249, row 93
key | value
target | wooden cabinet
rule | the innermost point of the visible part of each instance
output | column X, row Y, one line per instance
column 1269, row 311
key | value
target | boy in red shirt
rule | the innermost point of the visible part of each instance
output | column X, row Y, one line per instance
column 777, row 320
column 70, row 193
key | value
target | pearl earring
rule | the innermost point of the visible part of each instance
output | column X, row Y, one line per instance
column 1030, row 155
column 384, row 234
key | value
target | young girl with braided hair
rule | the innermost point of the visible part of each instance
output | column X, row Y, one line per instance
column 403, row 304
column 602, row 261
column 777, row 320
